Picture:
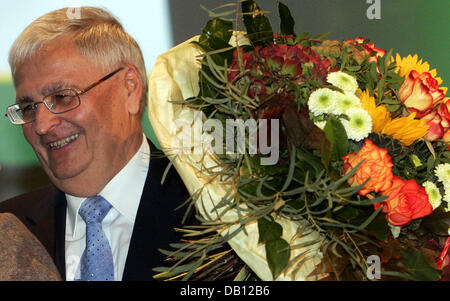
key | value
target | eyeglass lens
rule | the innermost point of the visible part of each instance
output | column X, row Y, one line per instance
column 58, row 102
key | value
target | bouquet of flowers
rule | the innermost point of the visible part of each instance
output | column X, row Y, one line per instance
column 359, row 165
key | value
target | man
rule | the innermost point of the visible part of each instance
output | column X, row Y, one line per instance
column 81, row 90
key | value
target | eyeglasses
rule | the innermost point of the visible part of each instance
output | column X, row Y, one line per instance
column 58, row 102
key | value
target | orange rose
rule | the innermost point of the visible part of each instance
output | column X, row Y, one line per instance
column 407, row 201
column 377, row 166
column 420, row 93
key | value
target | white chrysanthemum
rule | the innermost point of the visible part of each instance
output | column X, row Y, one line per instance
column 320, row 124
column 343, row 81
column 359, row 124
column 346, row 101
column 322, row 101
column 446, row 197
column 447, row 200
column 442, row 171
column 434, row 197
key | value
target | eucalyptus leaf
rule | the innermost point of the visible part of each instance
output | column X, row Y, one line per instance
column 310, row 161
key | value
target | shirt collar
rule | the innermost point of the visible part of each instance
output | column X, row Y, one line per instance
column 124, row 190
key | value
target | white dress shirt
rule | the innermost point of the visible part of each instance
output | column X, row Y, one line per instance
column 123, row 192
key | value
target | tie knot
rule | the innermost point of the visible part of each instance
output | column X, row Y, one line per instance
column 94, row 209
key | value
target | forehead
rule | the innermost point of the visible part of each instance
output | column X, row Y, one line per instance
column 58, row 63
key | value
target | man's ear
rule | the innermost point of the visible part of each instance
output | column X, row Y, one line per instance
column 133, row 84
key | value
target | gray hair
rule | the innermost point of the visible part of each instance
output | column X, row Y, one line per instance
column 97, row 34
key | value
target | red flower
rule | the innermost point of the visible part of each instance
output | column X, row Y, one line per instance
column 420, row 93
column 289, row 59
column 407, row 201
column 370, row 48
column 257, row 88
column 271, row 69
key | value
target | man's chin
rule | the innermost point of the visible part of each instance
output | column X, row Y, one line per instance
column 62, row 173
column 74, row 183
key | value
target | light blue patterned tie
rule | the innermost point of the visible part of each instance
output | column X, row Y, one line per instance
column 96, row 262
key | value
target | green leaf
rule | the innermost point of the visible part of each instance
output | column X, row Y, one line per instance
column 259, row 30
column 373, row 71
column 390, row 101
column 430, row 163
column 353, row 68
column 216, row 34
column 437, row 222
column 379, row 228
column 347, row 214
column 326, row 154
column 268, row 229
column 336, row 134
column 287, row 22
column 418, row 268
column 277, row 253
column 393, row 108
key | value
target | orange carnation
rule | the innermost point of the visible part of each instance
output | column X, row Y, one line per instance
column 407, row 201
column 377, row 167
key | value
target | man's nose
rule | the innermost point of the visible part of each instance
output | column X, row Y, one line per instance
column 45, row 120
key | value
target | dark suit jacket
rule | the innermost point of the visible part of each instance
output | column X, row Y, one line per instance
column 44, row 213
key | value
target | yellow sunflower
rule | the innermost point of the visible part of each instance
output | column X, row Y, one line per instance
column 407, row 64
column 379, row 114
column 406, row 130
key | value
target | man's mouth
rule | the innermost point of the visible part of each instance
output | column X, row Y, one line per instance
column 63, row 142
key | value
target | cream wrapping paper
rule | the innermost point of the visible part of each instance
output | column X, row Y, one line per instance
column 175, row 78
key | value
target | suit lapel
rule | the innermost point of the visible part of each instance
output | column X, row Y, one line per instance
column 60, row 234
column 155, row 219
column 138, row 264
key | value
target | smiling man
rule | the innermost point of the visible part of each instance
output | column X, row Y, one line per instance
column 81, row 90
